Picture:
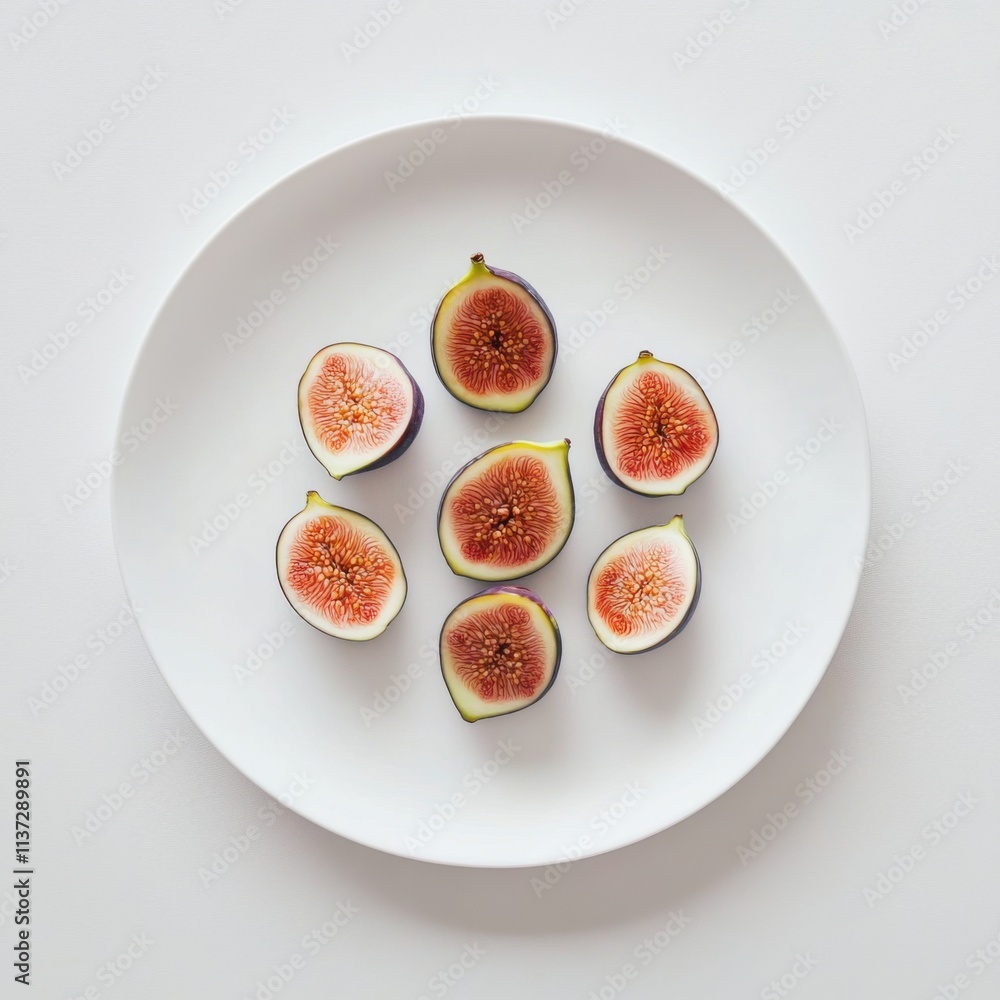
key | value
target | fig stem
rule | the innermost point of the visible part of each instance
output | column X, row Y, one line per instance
column 645, row 354
column 478, row 258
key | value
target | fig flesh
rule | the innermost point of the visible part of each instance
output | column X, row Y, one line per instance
column 508, row 512
column 655, row 430
column 339, row 571
column 493, row 340
column 500, row 652
column 359, row 408
column 644, row 588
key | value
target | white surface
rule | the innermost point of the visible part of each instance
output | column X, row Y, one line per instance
column 196, row 527
column 911, row 761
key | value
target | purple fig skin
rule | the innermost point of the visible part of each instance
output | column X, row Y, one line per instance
column 599, row 438
column 599, row 442
column 504, row 588
column 416, row 419
column 539, row 301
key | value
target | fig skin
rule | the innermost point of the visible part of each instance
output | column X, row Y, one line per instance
column 506, row 588
column 480, row 266
column 599, row 432
column 682, row 624
column 517, row 574
column 315, row 501
column 412, row 427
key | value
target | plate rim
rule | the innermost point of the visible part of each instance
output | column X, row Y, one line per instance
column 301, row 808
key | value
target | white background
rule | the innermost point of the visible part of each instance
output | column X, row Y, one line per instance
column 887, row 91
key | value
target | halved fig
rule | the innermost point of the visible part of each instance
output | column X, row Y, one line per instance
column 644, row 588
column 359, row 408
column 655, row 429
column 508, row 512
column 500, row 652
column 493, row 340
column 339, row 571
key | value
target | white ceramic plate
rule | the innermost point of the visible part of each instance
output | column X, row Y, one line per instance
column 629, row 252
